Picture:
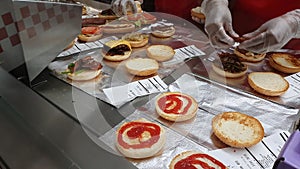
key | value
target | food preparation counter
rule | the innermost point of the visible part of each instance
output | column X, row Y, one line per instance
column 70, row 122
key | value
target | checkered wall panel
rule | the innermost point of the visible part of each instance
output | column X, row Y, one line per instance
column 36, row 18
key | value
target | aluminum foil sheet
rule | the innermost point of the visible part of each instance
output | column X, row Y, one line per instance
column 216, row 99
column 175, row 144
column 291, row 98
column 113, row 73
column 196, row 134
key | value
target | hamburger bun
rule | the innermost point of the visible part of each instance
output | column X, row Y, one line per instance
column 249, row 56
column 175, row 106
column 115, row 28
column 136, row 40
column 284, row 62
column 196, row 12
column 84, row 76
column 237, row 130
column 160, row 53
column 163, row 30
column 142, row 66
column 268, row 83
column 83, row 69
column 90, row 33
column 108, row 14
column 229, row 66
column 193, row 159
column 113, row 51
column 140, row 139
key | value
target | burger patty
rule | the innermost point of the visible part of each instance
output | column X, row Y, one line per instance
column 230, row 63
column 118, row 50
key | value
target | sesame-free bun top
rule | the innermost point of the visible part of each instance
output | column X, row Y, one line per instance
column 237, row 129
column 142, row 66
column 284, row 62
column 268, row 83
column 160, row 53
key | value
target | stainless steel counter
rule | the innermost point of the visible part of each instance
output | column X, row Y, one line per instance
column 37, row 134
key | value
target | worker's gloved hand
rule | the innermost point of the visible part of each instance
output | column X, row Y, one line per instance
column 273, row 34
column 218, row 23
column 120, row 7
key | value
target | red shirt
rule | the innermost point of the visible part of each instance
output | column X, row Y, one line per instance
column 248, row 15
column 181, row 8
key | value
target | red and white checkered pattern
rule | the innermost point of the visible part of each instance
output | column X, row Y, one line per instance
column 39, row 17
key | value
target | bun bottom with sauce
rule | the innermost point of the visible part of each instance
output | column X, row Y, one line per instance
column 191, row 109
column 194, row 159
column 141, row 152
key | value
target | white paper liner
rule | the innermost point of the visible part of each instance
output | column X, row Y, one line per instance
column 175, row 144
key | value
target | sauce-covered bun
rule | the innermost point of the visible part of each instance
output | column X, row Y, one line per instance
column 192, row 159
column 237, row 130
column 140, row 139
column 175, row 106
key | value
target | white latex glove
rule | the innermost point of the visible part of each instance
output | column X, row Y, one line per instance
column 218, row 23
column 120, row 6
column 273, row 34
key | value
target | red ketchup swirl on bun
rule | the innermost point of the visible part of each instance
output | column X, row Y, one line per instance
column 172, row 104
column 192, row 160
column 136, row 130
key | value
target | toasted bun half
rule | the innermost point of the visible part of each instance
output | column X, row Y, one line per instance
column 196, row 12
column 195, row 159
column 237, row 130
column 85, row 75
column 284, row 62
column 175, row 106
column 136, row 40
column 140, row 139
column 85, row 38
column 142, row 66
column 268, row 83
column 117, row 57
column 115, row 28
column 224, row 73
column 90, row 33
column 249, row 56
column 160, row 53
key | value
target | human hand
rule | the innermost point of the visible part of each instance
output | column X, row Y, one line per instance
column 120, row 7
column 218, row 23
column 273, row 34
